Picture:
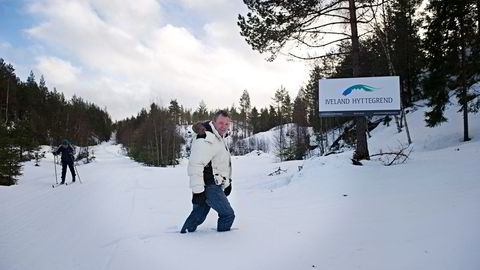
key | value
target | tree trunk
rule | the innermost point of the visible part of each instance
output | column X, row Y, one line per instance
column 465, row 114
column 404, row 118
column 325, row 135
column 174, row 153
column 391, row 68
column 156, row 143
column 406, row 127
column 320, row 133
column 361, row 151
column 6, row 108
column 463, row 83
column 392, row 72
column 478, row 19
column 161, row 147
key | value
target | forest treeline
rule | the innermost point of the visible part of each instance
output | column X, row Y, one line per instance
column 435, row 53
column 31, row 115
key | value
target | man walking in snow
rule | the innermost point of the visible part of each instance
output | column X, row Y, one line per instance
column 210, row 170
column 67, row 151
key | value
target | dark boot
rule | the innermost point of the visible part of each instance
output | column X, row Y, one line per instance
column 63, row 181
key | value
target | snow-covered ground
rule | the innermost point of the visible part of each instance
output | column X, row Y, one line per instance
column 424, row 214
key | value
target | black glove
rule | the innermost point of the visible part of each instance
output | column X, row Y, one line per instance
column 199, row 198
column 228, row 190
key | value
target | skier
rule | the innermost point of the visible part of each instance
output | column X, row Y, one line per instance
column 210, row 170
column 68, row 152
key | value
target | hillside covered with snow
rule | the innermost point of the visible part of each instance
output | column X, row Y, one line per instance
column 320, row 213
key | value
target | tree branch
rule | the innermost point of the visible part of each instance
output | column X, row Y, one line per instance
column 328, row 32
column 330, row 8
column 316, row 57
column 323, row 25
column 371, row 5
column 399, row 156
column 321, row 45
column 337, row 16
column 365, row 22
column 366, row 33
column 326, row 12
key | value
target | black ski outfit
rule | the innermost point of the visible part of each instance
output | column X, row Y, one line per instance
column 67, row 151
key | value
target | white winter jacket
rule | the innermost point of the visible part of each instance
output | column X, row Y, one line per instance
column 212, row 148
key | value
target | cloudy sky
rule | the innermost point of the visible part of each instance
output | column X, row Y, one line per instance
column 124, row 55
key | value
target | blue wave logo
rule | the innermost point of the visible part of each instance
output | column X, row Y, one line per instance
column 366, row 88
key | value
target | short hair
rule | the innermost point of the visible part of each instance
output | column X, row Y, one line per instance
column 222, row 113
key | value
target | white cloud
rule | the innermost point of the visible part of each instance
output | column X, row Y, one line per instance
column 129, row 54
column 138, row 18
column 58, row 71
column 5, row 45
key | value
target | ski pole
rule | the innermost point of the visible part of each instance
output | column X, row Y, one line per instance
column 77, row 173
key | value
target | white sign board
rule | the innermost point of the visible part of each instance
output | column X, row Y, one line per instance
column 359, row 96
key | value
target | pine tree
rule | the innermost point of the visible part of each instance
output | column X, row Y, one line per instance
column 301, row 138
column 407, row 55
column 270, row 26
column 175, row 110
column 31, row 80
column 235, row 116
column 282, row 104
column 244, row 111
column 279, row 99
column 10, row 166
column 44, row 117
column 254, row 120
column 299, row 115
column 8, row 88
column 201, row 113
column 151, row 137
column 42, row 85
column 311, row 97
column 272, row 118
column 287, row 108
column 452, row 57
column 264, row 120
